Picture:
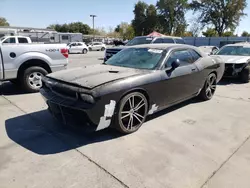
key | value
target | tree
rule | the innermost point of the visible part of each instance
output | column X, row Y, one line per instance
column 245, row 34
column 172, row 15
column 228, row 34
column 210, row 33
column 195, row 27
column 125, row 30
column 151, row 22
column 3, row 22
column 75, row 27
column 139, row 21
column 221, row 14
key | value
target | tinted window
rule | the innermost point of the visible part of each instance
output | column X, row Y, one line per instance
column 195, row 55
column 179, row 41
column 79, row 44
column 183, row 55
column 65, row 37
column 140, row 40
column 22, row 40
column 10, row 40
column 159, row 40
column 168, row 40
column 139, row 58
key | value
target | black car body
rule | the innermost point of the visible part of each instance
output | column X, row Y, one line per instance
column 95, row 94
column 143, row 40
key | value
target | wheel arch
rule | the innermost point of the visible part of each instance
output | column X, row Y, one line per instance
column 140, row 90
column 33, row 63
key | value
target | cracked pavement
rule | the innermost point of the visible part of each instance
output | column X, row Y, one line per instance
column 194, row 144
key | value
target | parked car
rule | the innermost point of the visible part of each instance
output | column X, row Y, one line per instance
column 143, row 40
column 209, row 50
column 135, row 83
column 14, row 40
column 77, row 47
column 96, row 46
column 237, row 60
column 25, row 64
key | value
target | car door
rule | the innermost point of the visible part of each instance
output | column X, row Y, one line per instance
column 79, row 47
column 73, row 48
column 180, row 83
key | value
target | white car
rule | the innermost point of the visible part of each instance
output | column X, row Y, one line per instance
column 237, row 60
column 78, row 47
column 96, row 46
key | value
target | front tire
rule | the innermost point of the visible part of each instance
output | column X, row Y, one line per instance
column 245, row 74
column 102, row 49
column 131, row 113
column 209, row 87
column 31, row 79
column 90, row 49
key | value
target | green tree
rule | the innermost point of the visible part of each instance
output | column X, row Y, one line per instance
column 3, row 22
column 210, row 33
column 245, row 34
column 139, row 21
column 172, row 15
column 126, row 30
column 221, row 14
column 151, row 22
column 228, row 34
column 75, row 27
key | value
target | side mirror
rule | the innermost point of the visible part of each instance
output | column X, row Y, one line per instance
column 175, row 64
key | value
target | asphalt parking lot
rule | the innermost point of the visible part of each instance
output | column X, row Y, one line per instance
column 194, row 144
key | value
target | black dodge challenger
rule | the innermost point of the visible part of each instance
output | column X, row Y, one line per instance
column 134, row 83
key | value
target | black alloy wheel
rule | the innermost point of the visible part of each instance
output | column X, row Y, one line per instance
column 209, row 87
column 132, row 112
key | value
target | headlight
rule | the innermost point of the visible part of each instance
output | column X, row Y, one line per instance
column 87, row 98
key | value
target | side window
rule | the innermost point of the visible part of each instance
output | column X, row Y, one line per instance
column 195, row 55
column 168, row 40
column 10, row 40
column 22, row 40
column 65, row 37
column 159, row 40
column 183, row 55
column 79, row 44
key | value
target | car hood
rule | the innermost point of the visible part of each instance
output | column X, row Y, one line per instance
column 95, row 75
column 233, row 59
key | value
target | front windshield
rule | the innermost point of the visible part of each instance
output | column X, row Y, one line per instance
column 140, row 40
column 139, row 58
column 235, row 50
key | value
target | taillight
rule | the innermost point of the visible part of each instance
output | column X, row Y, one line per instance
column 65, row 52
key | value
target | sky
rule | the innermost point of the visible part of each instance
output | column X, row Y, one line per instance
column 41, row 13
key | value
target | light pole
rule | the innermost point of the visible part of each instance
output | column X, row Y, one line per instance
column 93, row 18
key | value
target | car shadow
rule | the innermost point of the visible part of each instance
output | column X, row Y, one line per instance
column 228, row 81
column 40, row 133
column 7, row 88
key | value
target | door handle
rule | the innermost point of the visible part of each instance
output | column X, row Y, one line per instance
column 194, row 69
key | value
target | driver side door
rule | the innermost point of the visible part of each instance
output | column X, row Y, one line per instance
column 179, row 84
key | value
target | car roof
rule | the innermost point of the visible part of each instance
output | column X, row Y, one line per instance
column 159, row 37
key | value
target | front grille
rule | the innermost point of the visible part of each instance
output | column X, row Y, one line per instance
column 64, row 91
column 228, row 69
column 71, row 117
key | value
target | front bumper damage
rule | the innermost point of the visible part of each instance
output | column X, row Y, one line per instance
column 66, row 106
column 233, row 70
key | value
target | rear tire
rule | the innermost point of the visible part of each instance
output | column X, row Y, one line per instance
column 84, row 51
column 90, row 49
column 209, row 87
column 31, row 79
column 245, row 74
column 131, row 113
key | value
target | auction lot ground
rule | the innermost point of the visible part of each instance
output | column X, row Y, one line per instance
column 194, row 144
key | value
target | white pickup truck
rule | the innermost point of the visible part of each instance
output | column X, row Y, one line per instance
column 25, row 64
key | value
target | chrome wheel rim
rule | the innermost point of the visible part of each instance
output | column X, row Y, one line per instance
column 133, row 112
column 211, row 86
column 35, row 80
